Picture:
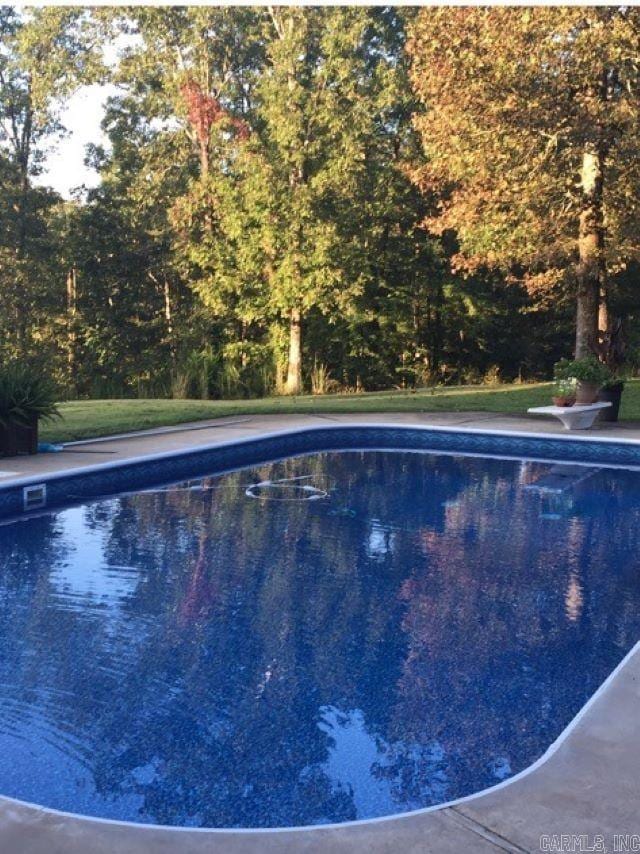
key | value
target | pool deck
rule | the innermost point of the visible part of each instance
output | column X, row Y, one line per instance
column 193, row 435
column 588, row 785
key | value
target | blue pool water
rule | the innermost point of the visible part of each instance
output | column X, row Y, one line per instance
column 331, row 637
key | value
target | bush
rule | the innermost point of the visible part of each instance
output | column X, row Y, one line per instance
column 320, row 378
column 587, row 370
column 26, row 395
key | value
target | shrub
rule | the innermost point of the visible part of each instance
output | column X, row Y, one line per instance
column 320, row 378
column 587, row 370
column 492, row 376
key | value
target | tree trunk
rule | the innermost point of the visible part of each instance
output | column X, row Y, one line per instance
column 294, row 362
column 204, row 159
column 168, row 316
column 72, row 310
column 604, row 315
column 591, row 252
column 284, row 24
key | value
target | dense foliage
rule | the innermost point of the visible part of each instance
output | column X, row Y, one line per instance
column 318, row 198
column 533, row 139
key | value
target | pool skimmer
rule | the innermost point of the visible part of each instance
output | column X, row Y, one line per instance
column 34, row 497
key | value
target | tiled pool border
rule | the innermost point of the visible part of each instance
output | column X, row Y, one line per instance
column 110, row 478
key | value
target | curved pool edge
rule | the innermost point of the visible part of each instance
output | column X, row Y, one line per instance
column 586, row 790
column 27, row 828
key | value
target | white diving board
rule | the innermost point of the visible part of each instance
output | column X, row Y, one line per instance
column 573, row 417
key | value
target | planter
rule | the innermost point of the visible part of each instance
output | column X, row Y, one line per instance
column 586, row 393
column 612, row 394
column 8, row 441
column 18, row 438
column 562, row 400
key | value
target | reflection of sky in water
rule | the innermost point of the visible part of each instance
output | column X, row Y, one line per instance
column 225, row 656
column 361, row 763
column 352, row 754
column 83, row 575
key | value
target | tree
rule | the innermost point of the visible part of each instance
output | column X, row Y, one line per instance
column 133, row 315
column 311, row 206
column 259, row 219
column 532, row 129
column 45, row 54
column 326, row 108
column 187, row 83
column 28, row 258
column 271, row 150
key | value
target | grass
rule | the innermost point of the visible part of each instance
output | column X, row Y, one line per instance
column 85, row 419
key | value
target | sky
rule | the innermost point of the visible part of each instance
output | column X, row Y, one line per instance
column 64, row 167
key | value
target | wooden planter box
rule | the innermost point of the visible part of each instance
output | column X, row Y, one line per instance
column 19, row 439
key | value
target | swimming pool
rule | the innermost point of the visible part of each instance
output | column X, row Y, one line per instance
column 334, row 636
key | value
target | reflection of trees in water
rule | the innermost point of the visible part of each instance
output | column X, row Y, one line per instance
column 279, row 638
column 504, row 656
column 24, row 591
column 426, row 604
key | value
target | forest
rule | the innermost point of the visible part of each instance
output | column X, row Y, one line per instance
column 321, row 199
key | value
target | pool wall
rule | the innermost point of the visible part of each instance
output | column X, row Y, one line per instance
column 112, row 478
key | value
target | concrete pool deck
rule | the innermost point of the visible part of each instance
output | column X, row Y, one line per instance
column 587, row 787
column 79, row 455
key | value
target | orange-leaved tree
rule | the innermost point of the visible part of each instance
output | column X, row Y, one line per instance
column 531, row 131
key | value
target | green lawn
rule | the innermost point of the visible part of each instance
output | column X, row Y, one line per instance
column 92, row 418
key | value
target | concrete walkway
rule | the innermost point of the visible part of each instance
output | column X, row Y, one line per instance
column 83, row 454
column 589, row 786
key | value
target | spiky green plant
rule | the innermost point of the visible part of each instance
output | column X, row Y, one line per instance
column 26, row 393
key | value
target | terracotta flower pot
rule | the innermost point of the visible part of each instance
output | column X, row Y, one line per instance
column 563, row 400
column 586, row 393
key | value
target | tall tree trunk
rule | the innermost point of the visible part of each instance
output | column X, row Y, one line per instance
column 22, row 147
column 72, row 311
column 604, row 315
column 438, row 345
column 294, row 361
column 23, row 157
column 284, row 24
column 204, row 159
column 168, row 316
column 590, row 250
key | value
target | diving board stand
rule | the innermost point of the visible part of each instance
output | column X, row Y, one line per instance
column 572, row 417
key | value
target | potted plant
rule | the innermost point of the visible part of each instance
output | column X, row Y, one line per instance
column 589, row 375
column 26, row 396
column 611, row 349
column 564, row 393
column 611, row 392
